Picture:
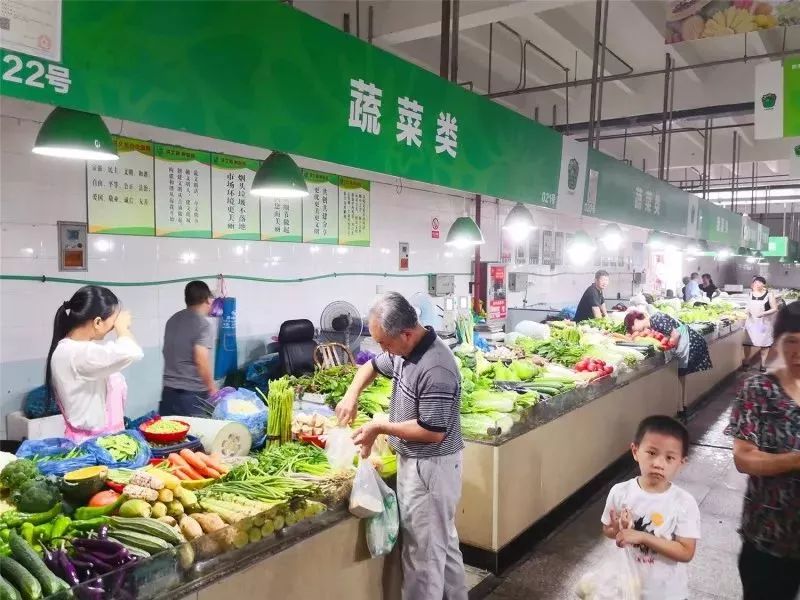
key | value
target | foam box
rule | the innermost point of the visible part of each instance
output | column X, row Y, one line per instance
column 19, row 427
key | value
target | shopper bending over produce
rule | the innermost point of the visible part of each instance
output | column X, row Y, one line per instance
column 690, row 347
column 425, row 431
column 659, row 521
column 82, row 370
column 592, row 304
column 765, row 424
column 188, row 377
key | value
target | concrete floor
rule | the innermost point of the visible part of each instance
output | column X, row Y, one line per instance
column 551, row 571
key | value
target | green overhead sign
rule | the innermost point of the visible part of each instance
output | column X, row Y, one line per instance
column 791, row 96
column 264, row 74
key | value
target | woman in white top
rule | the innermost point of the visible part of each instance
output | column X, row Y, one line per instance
column 82, row 370
column 760, row 315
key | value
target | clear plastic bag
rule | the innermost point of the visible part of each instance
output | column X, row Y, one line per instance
column 339, row 448
column 617, row 579
column 245, row 407
column 366, row 498
column 382, row 529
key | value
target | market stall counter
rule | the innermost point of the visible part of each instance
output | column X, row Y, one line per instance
column 513, row 482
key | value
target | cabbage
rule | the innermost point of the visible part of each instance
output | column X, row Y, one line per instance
column 481, row 364
column 489, row 400
column 523, row 369
column 504, row 373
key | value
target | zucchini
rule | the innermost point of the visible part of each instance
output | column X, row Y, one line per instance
column 142, row 541
column 28, row 558
column 8, row 591
column 27, row 585
column 148, row 526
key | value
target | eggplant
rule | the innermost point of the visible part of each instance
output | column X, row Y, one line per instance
column 68, row 570
column 97, row 545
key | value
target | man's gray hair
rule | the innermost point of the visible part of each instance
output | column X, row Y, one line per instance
column 394, row 314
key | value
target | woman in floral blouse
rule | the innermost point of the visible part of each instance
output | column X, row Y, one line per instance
column 765, row 423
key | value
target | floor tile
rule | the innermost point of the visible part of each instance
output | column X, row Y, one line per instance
column 715, row 571
column 723, row 503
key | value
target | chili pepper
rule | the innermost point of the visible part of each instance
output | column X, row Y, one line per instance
column 92, row 512
column 60, row 525
column 5, row 550
column 15, row 519
column 5, row 534
column 27, row 532
column 43, row 532
column 88, row 524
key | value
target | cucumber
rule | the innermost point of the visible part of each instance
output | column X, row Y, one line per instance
column 8, row 591
column 146, row 526
column 27, row 557
column 142, row 541
column 27, row 585
column 546, row 390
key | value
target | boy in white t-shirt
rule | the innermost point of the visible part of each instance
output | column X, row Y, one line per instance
column 659, row 521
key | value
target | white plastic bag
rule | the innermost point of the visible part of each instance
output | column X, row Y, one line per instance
column 366, row 499
column 382, row 529
column 532, row 329
column 617, row 579
column 340, row 448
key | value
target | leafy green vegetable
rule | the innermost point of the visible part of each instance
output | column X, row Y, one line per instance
column 36, row 495
column 18, row 472
column 375, row 399
column 504, row 373
column 605, row 324
column 332, row 382
column 524, row 370
column 482, row 366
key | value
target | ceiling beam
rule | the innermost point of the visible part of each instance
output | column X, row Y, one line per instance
column 419, row 23
column 655, row 14
column 573, row 32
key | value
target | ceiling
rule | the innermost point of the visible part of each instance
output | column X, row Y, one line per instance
column 564, row 30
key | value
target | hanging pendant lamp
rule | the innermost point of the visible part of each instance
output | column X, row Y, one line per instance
column 68, row 133
column 279, row 177
column 612, row 237
column 463, row 233
column 519, row 223
column 581, row 248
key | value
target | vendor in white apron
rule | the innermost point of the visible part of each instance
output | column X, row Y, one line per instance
column 760, row 314
column 83, row 371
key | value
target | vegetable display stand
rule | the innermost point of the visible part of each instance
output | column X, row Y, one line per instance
column 332, row 547
column 518, row 485
column 726, row 353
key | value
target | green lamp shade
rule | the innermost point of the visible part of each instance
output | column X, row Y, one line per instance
column 464, row 232
column 656, row 239
column 68, row 133
column 519, row 222
column 279, row 177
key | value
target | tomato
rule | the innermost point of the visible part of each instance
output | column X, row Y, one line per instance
column 103, row 498
column 582, row 363
column 608, row 370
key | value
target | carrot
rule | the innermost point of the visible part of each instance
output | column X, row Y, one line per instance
column 178, row 472
column 181, row 464
column 213, row 473
column 194, row 461
column 212, row 462
column 190, row 473
column 218, row 464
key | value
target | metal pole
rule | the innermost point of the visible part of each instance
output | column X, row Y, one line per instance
column 598, row 10
column 663, row 147
column 566, row 103
column 346, row 22
column 555, row 113
column 738, row 168
column 370, row 23
column 454, row 34
column 358, row 19
column 753, row 189
column 733, row 169
column 601, row 76
column 644, row 166
column 705, row 159
column 623, row 76
column 536, row 113
column 710, row 151
column 625, row 144
column 476, row 286
column 669, row 131
column 444, row 41
column 491, row 41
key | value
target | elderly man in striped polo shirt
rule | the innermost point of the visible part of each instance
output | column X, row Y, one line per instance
column 425, row 431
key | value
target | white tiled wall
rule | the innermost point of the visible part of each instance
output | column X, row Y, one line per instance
column 35, row 192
